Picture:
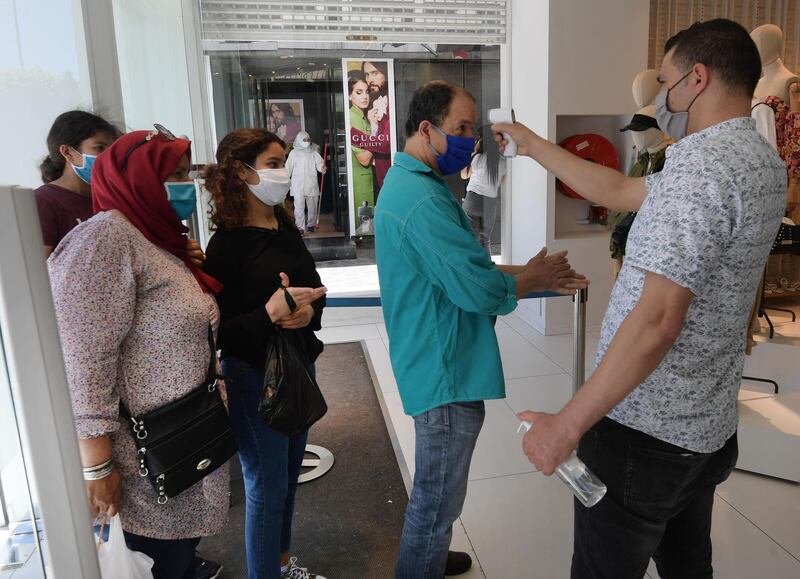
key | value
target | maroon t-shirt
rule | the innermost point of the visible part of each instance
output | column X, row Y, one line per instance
column 59, row 211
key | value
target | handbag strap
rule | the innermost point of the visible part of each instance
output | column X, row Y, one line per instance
column 211, row 374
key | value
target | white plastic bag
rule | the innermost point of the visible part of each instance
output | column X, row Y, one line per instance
column 119, row 562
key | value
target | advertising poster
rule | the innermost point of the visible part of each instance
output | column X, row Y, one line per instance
column 370, row 127
column 286, row 118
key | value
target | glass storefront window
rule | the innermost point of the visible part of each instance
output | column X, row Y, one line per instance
column 291, row 86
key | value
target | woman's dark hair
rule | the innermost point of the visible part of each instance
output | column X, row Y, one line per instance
column 431, row 102
column 723, row 46
column 353, row 77
column 71, row 128
column 228, row 191
column 489, row 148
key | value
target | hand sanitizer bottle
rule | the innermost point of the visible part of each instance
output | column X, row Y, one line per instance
column 585, row 485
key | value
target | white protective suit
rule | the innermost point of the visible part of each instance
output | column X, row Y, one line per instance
column 303, row 164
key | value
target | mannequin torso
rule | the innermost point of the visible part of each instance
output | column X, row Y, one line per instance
column 777, row 81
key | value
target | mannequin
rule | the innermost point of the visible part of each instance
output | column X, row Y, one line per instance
column 780, row 89
column 646, row 87
column 777, row 78
column 650, row 144
column 776, row 109
column 303, row 163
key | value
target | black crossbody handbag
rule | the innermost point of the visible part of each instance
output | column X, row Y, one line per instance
column 184, row 441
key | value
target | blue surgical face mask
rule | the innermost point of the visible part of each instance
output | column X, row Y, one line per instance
column 457, row 155
column 182, row 197
column 84, row 172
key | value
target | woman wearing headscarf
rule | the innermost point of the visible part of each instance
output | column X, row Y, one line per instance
column 303, row 164
column 134, row 313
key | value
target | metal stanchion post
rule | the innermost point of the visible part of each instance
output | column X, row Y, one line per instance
column 579, row 337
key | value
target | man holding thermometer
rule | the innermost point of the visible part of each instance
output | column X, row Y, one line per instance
column 657, row 420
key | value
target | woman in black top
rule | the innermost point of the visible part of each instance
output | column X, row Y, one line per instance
column 256, row 250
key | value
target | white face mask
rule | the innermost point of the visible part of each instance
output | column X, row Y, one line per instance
column 272, row 187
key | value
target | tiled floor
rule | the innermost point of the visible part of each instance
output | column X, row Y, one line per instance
column 517, row 522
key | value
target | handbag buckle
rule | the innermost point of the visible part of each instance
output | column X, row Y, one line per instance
column 143, row 471
column 162, row 496
column 139, row 429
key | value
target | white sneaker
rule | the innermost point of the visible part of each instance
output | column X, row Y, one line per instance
column 293, row 571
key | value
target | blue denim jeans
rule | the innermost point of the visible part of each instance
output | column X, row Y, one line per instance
column 445, row 439
column 271, row 465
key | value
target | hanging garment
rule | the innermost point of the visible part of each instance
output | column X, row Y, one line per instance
column 764, row 116
column 646, row 164
column 787, row 133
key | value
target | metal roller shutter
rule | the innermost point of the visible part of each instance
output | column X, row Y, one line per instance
column 433, row 21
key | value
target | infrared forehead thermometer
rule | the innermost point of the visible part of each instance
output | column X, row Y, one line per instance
column 504, row 116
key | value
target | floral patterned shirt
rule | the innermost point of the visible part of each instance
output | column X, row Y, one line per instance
column 787, row 133
column 134, row 328
column 708, row 223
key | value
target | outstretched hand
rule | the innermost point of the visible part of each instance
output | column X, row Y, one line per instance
column 554, row 273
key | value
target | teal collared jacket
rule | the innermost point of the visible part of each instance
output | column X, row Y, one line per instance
column 439, row 290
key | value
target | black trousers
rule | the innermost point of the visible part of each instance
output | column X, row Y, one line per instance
column 172, row 558
column 658, row 505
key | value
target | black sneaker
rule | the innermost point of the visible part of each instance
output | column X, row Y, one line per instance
column 457, row 563
column 206, row 569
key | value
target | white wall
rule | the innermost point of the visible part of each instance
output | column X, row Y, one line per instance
column 569, row 57
column 529, row 55
column 152, row 64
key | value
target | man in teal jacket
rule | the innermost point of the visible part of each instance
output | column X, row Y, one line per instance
column 439, row 291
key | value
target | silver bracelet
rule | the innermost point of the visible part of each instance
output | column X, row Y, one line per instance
column 99, row 471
